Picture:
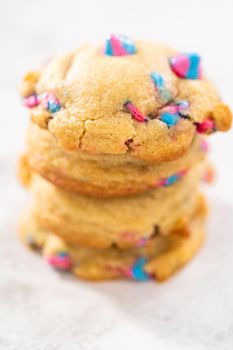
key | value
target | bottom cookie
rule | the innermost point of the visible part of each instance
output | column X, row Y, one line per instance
column 159, row 259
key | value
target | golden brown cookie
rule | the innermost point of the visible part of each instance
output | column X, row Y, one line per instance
column 158, row 259
column 149, row 102
column 24, row 171
column 124, row 221
column 104, row 175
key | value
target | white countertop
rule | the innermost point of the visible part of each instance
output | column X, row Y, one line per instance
column 43, row 310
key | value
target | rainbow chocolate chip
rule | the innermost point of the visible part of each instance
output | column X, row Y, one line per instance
column 186, row 66
column 138, row 272
column 172, row 112
column 170, row 180
column 50, row 102
column 160, row 86
column 119, row 45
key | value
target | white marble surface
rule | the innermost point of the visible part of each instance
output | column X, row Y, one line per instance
column 42, row 310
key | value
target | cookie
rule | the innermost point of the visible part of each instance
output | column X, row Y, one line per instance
column 123, row 221
column 142, row 99
column 158, row 259
column 104, row 175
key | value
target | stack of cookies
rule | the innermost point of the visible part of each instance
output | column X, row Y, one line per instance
column 115, row 153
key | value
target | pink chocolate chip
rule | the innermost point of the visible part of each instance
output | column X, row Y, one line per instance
column 31, row 101
column 135, row 113
column 63, row 263
column 206, row 126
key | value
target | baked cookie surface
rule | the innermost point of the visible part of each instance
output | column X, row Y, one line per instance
column 104, row 175
column 158, row 259
column 123, row 221
column 148, row 102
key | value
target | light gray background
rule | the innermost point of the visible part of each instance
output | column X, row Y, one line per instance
column 42, row 310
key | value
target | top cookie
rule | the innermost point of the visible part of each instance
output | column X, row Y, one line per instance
column 125, row 97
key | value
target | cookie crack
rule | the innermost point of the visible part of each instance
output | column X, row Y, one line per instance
column 82, row 135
